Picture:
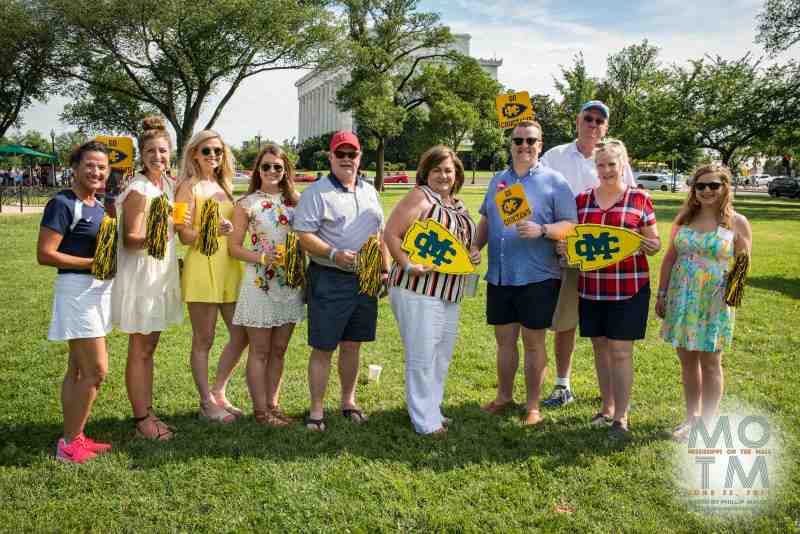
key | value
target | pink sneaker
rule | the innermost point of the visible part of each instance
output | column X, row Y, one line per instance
column 75, row 452
column 92, row 445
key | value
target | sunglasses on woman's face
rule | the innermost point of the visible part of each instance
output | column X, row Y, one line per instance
column 277, row 167
column 529, row 140
column 206, row 151
column 714, row 186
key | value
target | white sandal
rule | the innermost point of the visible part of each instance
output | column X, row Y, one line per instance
column 209, row 411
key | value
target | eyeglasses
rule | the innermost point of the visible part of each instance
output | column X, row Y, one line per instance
column 277, row 167
column 206, row 151
column 588, row 119
column 711, row 185
column 340, row 154
column 529, row 140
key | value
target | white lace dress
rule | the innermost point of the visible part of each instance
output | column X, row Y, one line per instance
column 265, row 300
column 147, row 292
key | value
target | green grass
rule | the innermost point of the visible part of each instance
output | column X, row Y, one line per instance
column 489, row 474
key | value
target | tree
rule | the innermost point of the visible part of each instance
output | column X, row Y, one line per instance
column 727, row 105
column 389, row 40
column 172, row 56
column 26, row 46
column 66, row 141
column 556, row 129
column 576, row 89
column 779, row 25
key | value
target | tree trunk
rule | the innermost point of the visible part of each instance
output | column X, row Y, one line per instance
column 379, row 164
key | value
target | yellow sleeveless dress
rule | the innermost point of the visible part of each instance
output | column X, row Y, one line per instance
column 210, row 279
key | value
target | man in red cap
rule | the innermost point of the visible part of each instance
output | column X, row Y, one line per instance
column 334, row 218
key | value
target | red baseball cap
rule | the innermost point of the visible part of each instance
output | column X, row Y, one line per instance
column 344, row 138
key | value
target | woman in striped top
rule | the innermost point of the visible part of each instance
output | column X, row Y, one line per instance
column 426, row 303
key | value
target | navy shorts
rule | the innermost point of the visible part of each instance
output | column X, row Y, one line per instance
column 531, row 305
column 624, row 320
column 336, row 310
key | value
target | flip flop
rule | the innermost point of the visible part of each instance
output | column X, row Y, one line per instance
column 354, row 415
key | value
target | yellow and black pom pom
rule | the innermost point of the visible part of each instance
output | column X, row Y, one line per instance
column 157, row 227
column 734, row 285
column 295, row 262
column 369, row 268
column 207, row 241
column 104, row 265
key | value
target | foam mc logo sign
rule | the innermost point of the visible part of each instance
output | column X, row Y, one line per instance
column 594, row 246
column 512, row 204
column 513, row 109
column 429, row 243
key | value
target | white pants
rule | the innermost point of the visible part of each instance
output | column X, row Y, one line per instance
column 428, row 326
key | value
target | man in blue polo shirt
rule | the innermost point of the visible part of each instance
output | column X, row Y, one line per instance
column 335, row 216
column 524, row 275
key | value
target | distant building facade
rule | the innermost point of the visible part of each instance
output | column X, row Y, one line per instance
column 316, row 95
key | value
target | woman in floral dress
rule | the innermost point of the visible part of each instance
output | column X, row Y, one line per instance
column 267, row 307
column 706, row 235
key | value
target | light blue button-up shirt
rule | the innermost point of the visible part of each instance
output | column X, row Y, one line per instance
column 514, row 261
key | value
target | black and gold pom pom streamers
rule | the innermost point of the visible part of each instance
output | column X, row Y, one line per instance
column 104, row 265
column 207, row 241
column 295, row 262
column 369, row 268
column 734, row 285
column 157, row 227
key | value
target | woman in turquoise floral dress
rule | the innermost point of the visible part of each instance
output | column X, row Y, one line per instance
column 267, row 307
column 706, row 235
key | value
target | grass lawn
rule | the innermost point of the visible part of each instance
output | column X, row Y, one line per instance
column 489, row 474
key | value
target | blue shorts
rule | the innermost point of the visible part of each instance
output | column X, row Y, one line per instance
column 336, row 310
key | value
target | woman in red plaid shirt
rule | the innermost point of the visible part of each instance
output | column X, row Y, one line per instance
column 614, row 301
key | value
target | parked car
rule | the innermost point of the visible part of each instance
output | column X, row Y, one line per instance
column 657, row 182
column 759, row 179
column 305, row 178
column 785, row 186
column 395, row 179
column 241, row 177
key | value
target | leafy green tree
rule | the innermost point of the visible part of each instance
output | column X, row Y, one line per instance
column 172, row 56
column 26, row 58
column 779, row 25
column 308, row 152
column 576, row 88
column 556, row 128
column 66, row 141
column 389, row 40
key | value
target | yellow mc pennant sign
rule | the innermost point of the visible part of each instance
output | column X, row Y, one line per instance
column 512, row 204
column 429, row 243
column 594, row 246
column 513, row 109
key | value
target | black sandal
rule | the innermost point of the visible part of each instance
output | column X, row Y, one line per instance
column 314, row 425
column 354, row 415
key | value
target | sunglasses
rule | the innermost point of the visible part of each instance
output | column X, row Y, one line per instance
column 206, row 151
column 711, row 185
column 529, row 140
column 340, row 154
column 266, row 167
column 588, row 119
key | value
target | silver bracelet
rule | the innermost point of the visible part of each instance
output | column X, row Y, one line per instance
column 407, row 268
column 332, row 254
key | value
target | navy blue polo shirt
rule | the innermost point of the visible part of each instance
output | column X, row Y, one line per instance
column 80, row 241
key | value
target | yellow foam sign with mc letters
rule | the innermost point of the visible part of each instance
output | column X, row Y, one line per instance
column 513, row 204
column 594, row 246
column 429, row 243
column 513, row 109
column 120, row 151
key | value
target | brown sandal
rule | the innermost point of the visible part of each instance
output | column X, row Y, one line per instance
column 268, row 417
column 163, row 432
column 277, row 412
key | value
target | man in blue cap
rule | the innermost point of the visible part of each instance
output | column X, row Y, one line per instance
column 574, row 161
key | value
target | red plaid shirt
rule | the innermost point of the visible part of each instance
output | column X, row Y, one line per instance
column 623, row 280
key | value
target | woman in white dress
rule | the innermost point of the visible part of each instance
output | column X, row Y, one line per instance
column 147, row 294
column 267, row 307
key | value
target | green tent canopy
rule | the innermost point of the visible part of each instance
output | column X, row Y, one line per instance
column 19, row 150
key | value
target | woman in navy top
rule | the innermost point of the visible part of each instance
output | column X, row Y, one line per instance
column 81, row 303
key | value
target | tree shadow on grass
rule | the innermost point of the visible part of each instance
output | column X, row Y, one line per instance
column 788, row 286
column 474, row 438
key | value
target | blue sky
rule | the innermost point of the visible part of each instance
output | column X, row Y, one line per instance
column 532, row 37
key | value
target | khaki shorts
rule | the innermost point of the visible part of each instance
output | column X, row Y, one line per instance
column 566, row 315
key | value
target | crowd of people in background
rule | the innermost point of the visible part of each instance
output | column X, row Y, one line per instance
column 243, row 278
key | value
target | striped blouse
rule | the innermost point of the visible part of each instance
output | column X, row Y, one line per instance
column 448, row 287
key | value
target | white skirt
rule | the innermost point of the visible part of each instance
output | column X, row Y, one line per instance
column 259, row 309
column 81, row 307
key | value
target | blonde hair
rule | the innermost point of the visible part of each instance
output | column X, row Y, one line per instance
column 190, row 169
column 691, row 207
column 287, row 181
column 615, row 148
column 153, row 127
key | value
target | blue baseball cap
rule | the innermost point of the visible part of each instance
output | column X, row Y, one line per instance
column 598, row 105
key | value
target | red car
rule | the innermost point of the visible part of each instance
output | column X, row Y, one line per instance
column 305, row 178
column 395, row 179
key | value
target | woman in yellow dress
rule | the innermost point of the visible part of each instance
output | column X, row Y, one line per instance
column 211, row 277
